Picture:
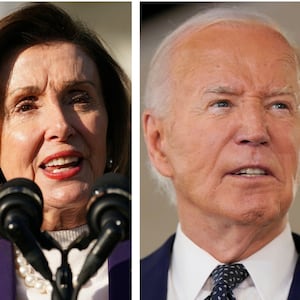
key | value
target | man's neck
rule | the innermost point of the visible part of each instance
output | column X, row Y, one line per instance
column 229, row 241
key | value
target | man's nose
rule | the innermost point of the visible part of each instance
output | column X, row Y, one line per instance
column 253, row 127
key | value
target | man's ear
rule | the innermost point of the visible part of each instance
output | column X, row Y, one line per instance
column 155, row 139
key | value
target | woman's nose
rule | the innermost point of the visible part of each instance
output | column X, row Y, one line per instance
column 58, row 124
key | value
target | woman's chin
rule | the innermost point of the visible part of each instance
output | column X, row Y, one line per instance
column 68, row 197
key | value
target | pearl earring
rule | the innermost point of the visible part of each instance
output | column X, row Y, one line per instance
column 109, row 164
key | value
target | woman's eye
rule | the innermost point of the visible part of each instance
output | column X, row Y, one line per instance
column 26, row 104
column 80, row 97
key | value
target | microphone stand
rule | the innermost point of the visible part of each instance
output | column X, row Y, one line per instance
column 63, row 285
column 64, row 279
column 63, row 288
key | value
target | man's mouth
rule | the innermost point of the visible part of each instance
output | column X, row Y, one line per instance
column 250, row 172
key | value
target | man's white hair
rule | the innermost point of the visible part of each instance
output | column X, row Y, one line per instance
column 158, row 89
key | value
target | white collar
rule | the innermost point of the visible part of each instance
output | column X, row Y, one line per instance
column 191, row 266
column 272, row 267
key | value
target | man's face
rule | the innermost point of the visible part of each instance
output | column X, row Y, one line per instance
column 231, row 141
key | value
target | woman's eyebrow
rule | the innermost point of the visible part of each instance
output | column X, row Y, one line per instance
column 35, row 89
column 73, row 83
column 24, row 89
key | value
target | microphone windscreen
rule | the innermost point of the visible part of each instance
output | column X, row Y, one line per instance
column 110, row 201
column 22, row 186
column 25, row 196
column 111, row 181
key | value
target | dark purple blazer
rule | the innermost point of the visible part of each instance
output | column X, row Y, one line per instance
column 119, row 265
column 154, row 273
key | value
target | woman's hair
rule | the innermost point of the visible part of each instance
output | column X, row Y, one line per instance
column 42, row 23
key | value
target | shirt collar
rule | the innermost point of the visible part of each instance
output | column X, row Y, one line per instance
column 276, row 261
column 191, row 266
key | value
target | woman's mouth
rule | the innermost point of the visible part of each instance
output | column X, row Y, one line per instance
column 62, row 164
column 62, row 167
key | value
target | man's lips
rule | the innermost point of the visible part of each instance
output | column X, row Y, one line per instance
column 251, row 171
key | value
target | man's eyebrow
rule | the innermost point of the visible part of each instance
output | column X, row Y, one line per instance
column 270, row 92
column 222, row 89
column 287, row 90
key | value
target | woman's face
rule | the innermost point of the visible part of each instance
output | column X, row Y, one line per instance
column 55, row 123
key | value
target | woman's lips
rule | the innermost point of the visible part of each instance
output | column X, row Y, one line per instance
column 62, row 165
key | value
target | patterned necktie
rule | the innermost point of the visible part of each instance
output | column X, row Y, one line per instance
column 226, row 278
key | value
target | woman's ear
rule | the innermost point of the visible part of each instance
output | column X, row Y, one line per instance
column 155, row 139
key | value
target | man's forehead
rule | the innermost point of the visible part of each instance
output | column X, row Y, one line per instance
column 217, row 33
column 227, row 43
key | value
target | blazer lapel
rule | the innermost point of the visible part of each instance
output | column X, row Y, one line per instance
column 119, row 266
column 7, row 271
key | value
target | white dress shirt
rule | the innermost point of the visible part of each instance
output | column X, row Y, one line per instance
column 271, row 270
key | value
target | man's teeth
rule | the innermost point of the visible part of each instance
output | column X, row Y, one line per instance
column 56, row 162
column 251, row 172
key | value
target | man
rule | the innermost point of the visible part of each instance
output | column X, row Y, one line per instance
column 222, row 128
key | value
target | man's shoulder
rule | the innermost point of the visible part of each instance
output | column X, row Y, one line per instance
column 295, row 287
column 162, row 254
column 154, row 272
column 296, row 238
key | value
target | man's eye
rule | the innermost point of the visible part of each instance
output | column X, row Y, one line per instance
column 221, row 103
column 280, row 105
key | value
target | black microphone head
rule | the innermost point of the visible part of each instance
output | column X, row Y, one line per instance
column 24, row 195
column 110, row 200
column 110, row 181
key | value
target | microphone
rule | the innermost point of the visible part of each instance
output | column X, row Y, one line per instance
column 108, row 218
column 21, row 216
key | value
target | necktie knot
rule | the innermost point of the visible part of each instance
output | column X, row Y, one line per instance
column 226, row 278
column 230, row 275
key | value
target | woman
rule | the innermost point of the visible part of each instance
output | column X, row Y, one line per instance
column 64, row 123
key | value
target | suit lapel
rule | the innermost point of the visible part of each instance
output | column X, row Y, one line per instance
column 154, row 272
column 295, row 287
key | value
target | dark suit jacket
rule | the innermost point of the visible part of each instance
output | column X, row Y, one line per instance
column 154, row 273
column 119, row 265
